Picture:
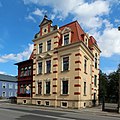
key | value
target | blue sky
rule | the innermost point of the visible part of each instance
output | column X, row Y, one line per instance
column 19, row 21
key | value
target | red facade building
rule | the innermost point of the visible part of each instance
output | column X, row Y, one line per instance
column 25, row 79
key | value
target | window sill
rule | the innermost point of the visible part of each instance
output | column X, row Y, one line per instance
column 39, row 73
column 48, row 73
column 65, row 71
column 38, row 94
column 64, row 94
column 47, row 94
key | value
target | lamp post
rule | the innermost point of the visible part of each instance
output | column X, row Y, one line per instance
column 119, row 85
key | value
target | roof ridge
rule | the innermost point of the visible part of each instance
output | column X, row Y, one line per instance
column 68, row 23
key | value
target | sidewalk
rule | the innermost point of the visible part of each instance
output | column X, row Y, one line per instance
column 93, row 111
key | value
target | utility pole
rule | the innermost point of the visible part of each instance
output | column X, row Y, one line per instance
column 119, row 85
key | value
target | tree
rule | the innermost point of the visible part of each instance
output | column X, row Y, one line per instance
column 103, row 84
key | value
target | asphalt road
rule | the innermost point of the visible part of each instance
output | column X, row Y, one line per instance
column 17, row 112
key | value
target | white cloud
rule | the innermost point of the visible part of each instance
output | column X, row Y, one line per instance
column 109, row 42
column 18, row 57
column 1, row 72
column 91, row 15
column 29, row 17
column 39, row 12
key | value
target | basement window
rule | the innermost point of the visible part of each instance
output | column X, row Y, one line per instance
column 64, row 104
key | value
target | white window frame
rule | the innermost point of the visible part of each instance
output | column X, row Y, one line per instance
column 4, row 84
column 38, row 67
column 46, row 65
column 64, row 102
column 63, row 43
column 39, row 48
column 47, row 101
column 10, row 93
column 45, row 87
column 10, row 86
column 47, row 45
column 62, row 62
column 62, row 86
column 16, row 86
column 3, row 92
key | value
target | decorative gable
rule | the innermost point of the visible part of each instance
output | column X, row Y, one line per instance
column 48, row 55
column 45, row 21
column 66, row 30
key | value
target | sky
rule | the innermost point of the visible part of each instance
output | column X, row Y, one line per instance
column 20, row 19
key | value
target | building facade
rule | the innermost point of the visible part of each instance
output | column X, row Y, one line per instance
column 25, row 80
column 65, row 66
column 8, row 86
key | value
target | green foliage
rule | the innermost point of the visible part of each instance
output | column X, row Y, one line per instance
column 109, row 86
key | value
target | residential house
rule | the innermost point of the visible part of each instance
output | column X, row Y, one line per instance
column 8, row 86
column 25, row 80
column 65, row 66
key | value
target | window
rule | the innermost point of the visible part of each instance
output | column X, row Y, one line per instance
column 48, row 45
column 65, row 63
column 64, row 87
column 23, row 89
column 66, row 39
column 47, row 103
column 25, row 71
column 84, row 88
column 3, row 85
column 47, row 85
column 40, row 47
column 10, row 85
column 85, row 66
column 64, row 104
column 40, row 88
column 86, row 42
column 16, row 86
column 22, row 72
column 40, row 68
column 96, row 60
column 10, row 94
column 48, row 66
column 29, row 70
column 95, row 80
column 3, row 94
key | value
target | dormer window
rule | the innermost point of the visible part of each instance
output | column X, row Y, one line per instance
column 66, row 39
column 66, row 36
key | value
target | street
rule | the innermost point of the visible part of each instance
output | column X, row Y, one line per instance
column 24, row 112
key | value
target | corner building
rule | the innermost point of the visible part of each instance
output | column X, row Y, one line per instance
column 65, row 66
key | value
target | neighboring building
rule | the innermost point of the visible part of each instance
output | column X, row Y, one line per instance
column 8, row 86
column 65, row 66
column 25, row 80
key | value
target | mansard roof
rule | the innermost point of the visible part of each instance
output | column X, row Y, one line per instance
column 76, row 31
